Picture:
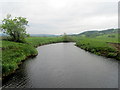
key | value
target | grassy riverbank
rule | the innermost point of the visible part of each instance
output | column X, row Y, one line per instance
column 14, row 53
column 101, row 45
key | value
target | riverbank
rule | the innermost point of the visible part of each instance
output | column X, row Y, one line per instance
column 13, row 53
column 100, row 47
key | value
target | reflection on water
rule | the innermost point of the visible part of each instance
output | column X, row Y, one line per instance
column 64, row 65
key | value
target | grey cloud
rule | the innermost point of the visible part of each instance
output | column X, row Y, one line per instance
column 59, row 16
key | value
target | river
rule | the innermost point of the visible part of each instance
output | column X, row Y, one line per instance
column 63, row 65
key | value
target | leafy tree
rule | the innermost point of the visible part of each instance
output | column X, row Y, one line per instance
column 14, row 27
column 67, row 38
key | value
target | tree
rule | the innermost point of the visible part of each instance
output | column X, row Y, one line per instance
column 67, row 38
column 14, row 27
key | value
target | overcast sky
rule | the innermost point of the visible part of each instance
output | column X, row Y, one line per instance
column 59, row 16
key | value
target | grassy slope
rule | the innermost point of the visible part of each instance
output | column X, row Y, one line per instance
column 99, row 45
column 14, row 53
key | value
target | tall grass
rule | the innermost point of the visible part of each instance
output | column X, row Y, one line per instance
column 38, row 41
column 12, row 55
column 98, row 46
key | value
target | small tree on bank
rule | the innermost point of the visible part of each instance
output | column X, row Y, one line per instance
column 67, row 38
column 15, row 28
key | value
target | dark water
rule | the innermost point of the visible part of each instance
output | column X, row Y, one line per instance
column 64, row 65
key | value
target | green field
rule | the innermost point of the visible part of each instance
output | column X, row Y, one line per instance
column 100, row 45
column 38, row 41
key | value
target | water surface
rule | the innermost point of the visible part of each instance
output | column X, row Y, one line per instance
column 64, row 65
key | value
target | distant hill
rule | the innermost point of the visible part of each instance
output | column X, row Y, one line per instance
column 98, row 33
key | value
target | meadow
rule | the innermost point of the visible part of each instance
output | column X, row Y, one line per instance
column 100, row 45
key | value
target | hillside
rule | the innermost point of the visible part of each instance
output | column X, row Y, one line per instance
column 109, row 32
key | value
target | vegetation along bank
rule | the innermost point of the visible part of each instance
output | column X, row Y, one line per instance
column 104, row 43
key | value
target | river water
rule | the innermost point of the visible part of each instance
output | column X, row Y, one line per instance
column 64, row 65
